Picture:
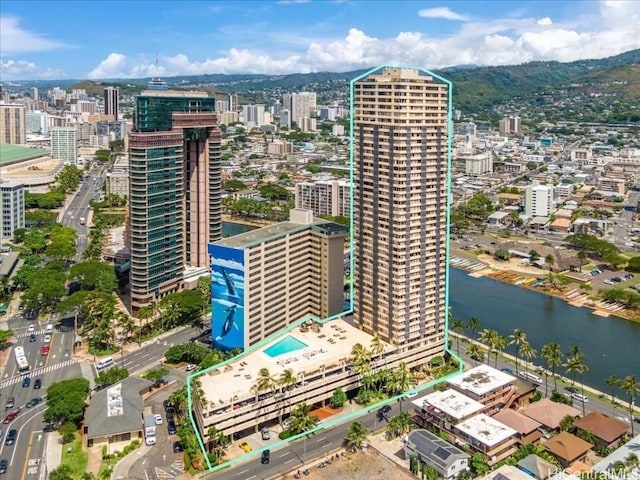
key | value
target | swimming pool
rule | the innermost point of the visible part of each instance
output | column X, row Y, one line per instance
column 286, row 345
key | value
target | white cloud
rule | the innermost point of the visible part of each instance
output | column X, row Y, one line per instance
column 499, row 41
column 442, row 12
column 114, row 66
column 22, row 69
column 14, row 39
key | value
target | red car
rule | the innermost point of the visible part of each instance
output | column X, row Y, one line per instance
column 44, row 350
column 11, row 416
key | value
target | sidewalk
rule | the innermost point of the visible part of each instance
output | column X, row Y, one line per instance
column 53, row 452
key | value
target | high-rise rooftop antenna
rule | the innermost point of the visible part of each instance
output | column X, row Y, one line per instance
column 156, row 82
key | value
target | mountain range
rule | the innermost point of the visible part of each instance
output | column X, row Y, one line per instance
column 475, row 88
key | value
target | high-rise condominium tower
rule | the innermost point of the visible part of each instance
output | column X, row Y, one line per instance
column 401, row 134
column 111, row 95
column 174, row 190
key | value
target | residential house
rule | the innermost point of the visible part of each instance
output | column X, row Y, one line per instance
column 447, row 459
column 606, row 430
column 567, row 448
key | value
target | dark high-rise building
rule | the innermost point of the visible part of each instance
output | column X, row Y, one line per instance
column 111, row 97
column 174, row 190
column 401, row 128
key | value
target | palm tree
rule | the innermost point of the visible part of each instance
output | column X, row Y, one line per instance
column 518, row 337
column 527, row 352
column 377, row 347
column 630, row 385
column 553, row 354
column 613, row 381
column 489, row 337
column 576, row 364
column 400, row 380
column 474, row 325
column 356, row 435
column 550, row 260
column 457, row 326
column 475, row 351
column 582, row 256
column 399, row 424
column 286, row 381
column 217, row 438
column 499, row 344
column 301, row 418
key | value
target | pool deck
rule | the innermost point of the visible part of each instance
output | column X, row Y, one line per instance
column 332, row 345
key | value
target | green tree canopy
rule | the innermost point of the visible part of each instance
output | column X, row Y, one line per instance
column 66, row 400
column 110, row 376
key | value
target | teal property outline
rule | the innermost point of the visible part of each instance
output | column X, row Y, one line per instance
column 368, row 408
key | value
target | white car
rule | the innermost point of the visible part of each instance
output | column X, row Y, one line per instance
column 158, row 419
column 580, row 397
column 411, row 394
column 32, row 328
column 190, row 367
column 46, row 339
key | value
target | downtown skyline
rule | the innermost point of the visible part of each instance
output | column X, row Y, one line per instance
column 109, row 40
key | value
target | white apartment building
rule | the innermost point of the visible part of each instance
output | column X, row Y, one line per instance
column 253, row 115
column 37, row 122
column 479, row 164
column 285, row 118
column 307, row 124
column 64, row 144
column 301, row 105
column 325, row 197
column 563, row 190
column 538, row 200
column 11, row 209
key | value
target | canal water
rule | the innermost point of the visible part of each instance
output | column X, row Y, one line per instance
column 611, row 345
column 229, row 229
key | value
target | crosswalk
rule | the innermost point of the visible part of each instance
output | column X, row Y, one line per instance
column 37, row 371
column 59, row 329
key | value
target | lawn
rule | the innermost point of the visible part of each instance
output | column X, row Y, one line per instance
column 75, row 457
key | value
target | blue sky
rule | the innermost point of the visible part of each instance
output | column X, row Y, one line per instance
column 121, row 38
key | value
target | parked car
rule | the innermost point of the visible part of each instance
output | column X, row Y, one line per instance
column 190, row 367
column 265, row 433
column 245, row 447
column 177, row 447
column 158, row 419
column 171, row 427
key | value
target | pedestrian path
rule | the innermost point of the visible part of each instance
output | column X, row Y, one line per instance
column 35, row 372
